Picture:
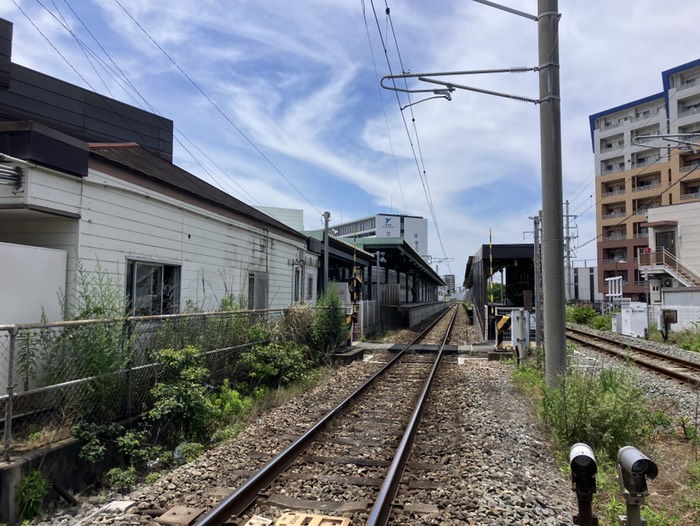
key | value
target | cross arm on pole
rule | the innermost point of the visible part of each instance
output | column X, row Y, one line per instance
column 451, row 86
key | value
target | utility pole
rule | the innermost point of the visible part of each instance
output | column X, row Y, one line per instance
column 550, row 145
column 538, row 283
column 326, row 218
column 567, row 255
column 380, row 256
column 552, row 217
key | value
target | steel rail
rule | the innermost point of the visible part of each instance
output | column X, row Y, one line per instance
column 379, row 516
column 242, row 498
column 672, row 373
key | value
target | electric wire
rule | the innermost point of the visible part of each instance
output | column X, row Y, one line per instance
column 408, row 133
column 381, row 100
column 219, row 110
column 415, row 128
column 627, row 178
column 123, row 77
column 646, row 206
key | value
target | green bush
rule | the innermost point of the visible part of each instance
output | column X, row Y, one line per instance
column 121, row 479
column 601, row 322
column 181, row 408
column 92, row 350
column 31, row 492
column 606, row 411
column 582, row 314
column 227, row 433
column 328, row 328
column 187, row 452
column 230, row 405
column 276, row 364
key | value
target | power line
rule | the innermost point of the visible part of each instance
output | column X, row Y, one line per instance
column 85, row 48
column 381, row 100
column 218, row 109
column 423, row 180
column 646, row 206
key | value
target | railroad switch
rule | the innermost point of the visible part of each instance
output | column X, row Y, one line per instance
column 305, row 519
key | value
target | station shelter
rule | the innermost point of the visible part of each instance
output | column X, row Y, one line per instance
column 396, row 287
column 514, row 265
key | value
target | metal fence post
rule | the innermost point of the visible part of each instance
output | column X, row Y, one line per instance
column 127, row 331
column 7, row 435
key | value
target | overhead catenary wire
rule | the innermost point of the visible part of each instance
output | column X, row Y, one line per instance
column 413, row 146
column 381, row 100
column 642, row 172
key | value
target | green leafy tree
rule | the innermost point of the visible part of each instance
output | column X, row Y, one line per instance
column 92, row 350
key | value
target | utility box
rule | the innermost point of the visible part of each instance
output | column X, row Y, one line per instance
column 634, row 319
column 33, row 277
column 520, row 331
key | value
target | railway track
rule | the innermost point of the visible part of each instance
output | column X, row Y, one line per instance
column 354, row 456
column 686, row 371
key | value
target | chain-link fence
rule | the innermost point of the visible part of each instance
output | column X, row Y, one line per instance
column 102, row 371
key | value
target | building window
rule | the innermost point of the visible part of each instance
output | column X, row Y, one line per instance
column 257, row 290
column 297, row 283
column 309, row 287
column 152, row 288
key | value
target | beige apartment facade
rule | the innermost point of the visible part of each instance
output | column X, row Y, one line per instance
column 635, row 174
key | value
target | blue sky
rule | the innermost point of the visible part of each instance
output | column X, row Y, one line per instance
column 287, row 110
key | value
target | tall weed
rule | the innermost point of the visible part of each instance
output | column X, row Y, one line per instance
column 605, row 411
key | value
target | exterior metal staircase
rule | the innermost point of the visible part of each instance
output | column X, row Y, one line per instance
column 661, row 260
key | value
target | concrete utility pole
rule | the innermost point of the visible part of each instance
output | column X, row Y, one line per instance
column 552, row 216
column 326, row 218
column 538, row 283
column 567, row 255
column 550, row 143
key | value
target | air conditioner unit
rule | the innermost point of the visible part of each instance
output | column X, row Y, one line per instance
column 667, row 283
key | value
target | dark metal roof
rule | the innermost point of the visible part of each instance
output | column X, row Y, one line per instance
column 132, row 157
column 400, row 255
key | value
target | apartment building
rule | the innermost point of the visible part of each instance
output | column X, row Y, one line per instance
column 635, row 174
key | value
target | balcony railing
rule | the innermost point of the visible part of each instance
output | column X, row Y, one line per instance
column 615, row 260
column 615, row 146
column 690, row 84
column 613, row 169
column 613, row 215
column 621, row 191
column 691, row 195
column 646, row 162
column 689, row 111
column 614, row 236
column 690, row 167
column 641, row 235
column 652, row 113
column 647, row 186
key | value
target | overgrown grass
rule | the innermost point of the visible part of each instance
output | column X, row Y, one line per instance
column 607, row 411
column 586, row 315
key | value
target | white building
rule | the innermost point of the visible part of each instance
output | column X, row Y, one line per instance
column 166, row 235
column 413, row 229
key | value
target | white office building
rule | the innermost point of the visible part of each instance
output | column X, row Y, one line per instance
column 413, row 229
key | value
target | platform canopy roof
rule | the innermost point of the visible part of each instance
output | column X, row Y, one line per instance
column 400, row 256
